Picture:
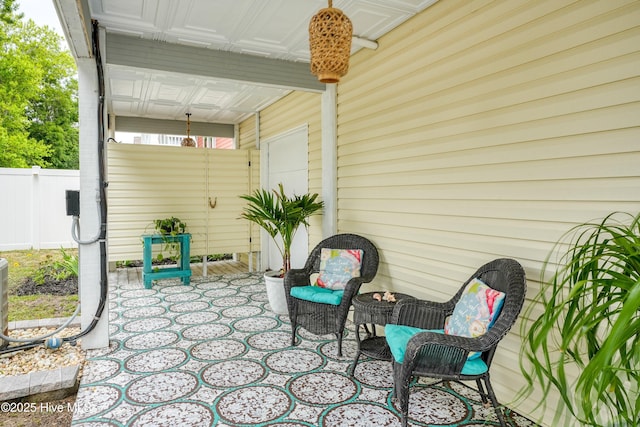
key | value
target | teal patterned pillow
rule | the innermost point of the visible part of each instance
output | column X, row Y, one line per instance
column 476, row 311
column 338, row 266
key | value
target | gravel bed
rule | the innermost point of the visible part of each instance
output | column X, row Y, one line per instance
column 40, row 358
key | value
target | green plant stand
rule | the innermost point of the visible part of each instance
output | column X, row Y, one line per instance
column 183, row 270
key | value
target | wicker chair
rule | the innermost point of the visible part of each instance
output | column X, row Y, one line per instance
column 319, row 318
column 436, row 355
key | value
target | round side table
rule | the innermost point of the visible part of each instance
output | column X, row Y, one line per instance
column 369, row 311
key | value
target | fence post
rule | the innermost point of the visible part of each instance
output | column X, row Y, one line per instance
column 35, row 207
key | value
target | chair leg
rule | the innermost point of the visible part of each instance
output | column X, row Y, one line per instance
column 339, row 336
column 294, row 326
column 401, row 392
column 483, row 393
column 494, row 401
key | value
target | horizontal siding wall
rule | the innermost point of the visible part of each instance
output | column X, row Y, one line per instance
column 485, row 129
column 247, row 134
column 294, row 110
column 154, row 182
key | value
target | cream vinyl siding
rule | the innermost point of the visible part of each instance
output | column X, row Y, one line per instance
column 247, row 134
column 485, row 129
column 294, row 110
column 152, row 182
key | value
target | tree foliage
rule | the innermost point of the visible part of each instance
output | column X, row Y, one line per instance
column 38, row 95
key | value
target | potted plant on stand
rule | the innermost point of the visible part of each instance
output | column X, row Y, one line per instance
column 280, row 216
column 583, row 340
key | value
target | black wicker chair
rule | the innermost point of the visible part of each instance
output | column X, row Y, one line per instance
column 319, row 318
column 430, row 354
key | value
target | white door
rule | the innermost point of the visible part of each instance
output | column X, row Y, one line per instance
column 287, row 163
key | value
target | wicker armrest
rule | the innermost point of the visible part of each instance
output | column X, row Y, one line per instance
column 352, row 288
column 296, row 277
column 421, row 314
column 443, row 354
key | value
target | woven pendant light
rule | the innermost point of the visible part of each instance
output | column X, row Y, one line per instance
column 188, row 141
column 330, row 33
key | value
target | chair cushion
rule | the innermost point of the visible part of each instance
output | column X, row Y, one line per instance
column 476, row 310
column 338, row 266
column 317, row 294
column 398, row 337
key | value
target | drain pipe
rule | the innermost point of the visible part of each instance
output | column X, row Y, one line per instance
column 101, row 237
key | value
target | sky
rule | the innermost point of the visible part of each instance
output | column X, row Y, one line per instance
column 42, row 12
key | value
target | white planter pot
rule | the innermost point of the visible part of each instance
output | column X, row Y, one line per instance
column 275, row 292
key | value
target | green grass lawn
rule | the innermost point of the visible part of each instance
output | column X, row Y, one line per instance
column 24, row 264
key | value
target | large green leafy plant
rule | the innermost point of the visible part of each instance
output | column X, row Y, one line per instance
column 281, row 215
column 589, row 324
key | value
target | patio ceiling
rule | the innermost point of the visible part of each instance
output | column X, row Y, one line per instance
column 221, row 60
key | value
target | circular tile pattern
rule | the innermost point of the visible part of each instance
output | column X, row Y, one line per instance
column 253, row 288
column 196, row 318
column 206, row 331
column 375, row 373
column 449, row 410
column 294, row 361
column 178, row 365
column 360, row 415
column 186, row 296
column 142, row 312
column 140, row 302
column 242, row 311
column 213, row 285
column 254, row 324
column 101, row 370
column 156, row 360
column 162, row 387
column 147, row 325
column 323, row 388
column 245, row 281
column 218, row 349
column 232, row 301
column 183, row 414
column 138, row 293
column 178, row 289
column 269, row 340
column 151, row 340
column 95, row 400
column 218, row 293
column 183, row 307
column 233, row 373
column 253, row 405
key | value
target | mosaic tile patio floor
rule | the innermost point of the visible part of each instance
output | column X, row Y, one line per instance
column 213, row 354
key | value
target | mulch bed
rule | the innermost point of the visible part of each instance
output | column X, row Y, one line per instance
column 49, row 287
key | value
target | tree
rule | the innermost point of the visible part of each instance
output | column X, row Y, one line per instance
column 38, row 95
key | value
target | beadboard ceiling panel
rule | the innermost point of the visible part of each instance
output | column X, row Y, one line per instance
column 266, row 43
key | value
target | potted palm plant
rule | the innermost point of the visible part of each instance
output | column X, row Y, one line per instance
column 280, row 216
column 586, row 320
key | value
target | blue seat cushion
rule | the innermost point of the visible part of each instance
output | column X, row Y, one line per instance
column 317, row 294
column 398, row 337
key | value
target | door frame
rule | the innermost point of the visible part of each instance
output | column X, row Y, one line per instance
column 265, row 145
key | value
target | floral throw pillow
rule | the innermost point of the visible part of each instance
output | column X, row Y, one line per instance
column 338, row 266
column 476, row 311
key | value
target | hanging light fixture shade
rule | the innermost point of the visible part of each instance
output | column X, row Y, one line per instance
column 188, row 141
column 330, row 33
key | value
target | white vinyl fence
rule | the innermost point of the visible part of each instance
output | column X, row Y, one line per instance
column 33, row 208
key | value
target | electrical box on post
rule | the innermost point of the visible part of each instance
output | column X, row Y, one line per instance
column 73, row 203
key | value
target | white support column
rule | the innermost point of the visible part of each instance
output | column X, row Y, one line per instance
column 329, row 160
column 90, row 261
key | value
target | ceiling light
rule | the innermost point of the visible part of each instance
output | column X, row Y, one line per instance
column 188, row 141
column 330, row 33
